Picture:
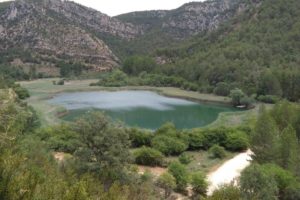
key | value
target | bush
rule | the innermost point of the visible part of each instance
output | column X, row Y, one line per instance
column 180, row 174
column 169, row 145
column 196, row 140
column 167, row 182
column 226, row 192
column 214, row 136
column 199, row 184
column 237, row 141
column 21, row 92
column 140, row 137
column 247, row 101
column 60, row 138
column 185, row 159
column 268, row 99
column 148, row 156
column 61, row 82
column 217, row 151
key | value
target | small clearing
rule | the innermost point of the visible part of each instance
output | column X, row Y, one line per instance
column 156, row 171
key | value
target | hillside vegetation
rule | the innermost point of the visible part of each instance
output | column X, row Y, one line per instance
column 258, row 51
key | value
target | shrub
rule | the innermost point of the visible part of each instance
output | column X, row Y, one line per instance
column 199, row 184
column 21, row 92
column 148, row 156
column 185, row 158
column 61, row 82
column 217, row 151
column 214, row 136
column 180, row 174
column 226, row 192
column 247, row 101
column 167, row 182
column 237, row 141
column 169, row 145
column 196, row 140
column 140, row 137
column 268, row 99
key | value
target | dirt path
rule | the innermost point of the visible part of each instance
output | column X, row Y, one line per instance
column 229, row 171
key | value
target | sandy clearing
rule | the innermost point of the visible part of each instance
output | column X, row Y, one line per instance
column 229, row 171
column 156, row 171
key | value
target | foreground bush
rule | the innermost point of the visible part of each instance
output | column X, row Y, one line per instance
column 140, row 137
column 169, row 145
column 217, row 151
column 199, row 184
column 148, row 156
column 167, row 182
column 225, row 192
column 237, row 141
column 185, row 158
column 180, row 173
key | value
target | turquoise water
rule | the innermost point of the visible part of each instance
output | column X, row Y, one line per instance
column 140, row 108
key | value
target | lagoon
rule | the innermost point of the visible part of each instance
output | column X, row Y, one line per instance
column 142, row 109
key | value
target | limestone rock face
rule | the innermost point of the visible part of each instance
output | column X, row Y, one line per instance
column 60, row 30
column 189, row 19
column 63, row 30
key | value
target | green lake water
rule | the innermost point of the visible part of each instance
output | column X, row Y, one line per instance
column 140, row 108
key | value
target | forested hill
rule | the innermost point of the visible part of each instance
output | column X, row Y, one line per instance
column 258, row 51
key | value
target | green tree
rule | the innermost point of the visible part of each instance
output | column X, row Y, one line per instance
column 137, row 64
column 264, row 142
column 269, row 84
column 255, row 183
column 222, row 89
column 167, row 182
column 236, row 96
column 289, row 149
column 105, row 147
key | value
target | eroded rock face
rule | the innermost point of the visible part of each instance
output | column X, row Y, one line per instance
column 64, row 30
column 93, row 19
column 194, row 18
column 190, row 19
column 43, row 27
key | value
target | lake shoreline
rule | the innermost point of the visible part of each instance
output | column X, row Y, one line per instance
column 42, row 90
column 172, row 92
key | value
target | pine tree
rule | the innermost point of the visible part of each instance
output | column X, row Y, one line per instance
column 289, row 149
column 264, row 141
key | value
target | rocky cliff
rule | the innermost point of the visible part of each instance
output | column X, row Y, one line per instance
column 188, row 20
column 59, row 30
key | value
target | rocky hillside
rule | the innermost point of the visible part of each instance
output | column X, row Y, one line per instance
column 48, row 32
column 190, row 19
column 54, row 30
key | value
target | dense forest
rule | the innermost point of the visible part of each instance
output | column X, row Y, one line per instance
column 257, row 52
